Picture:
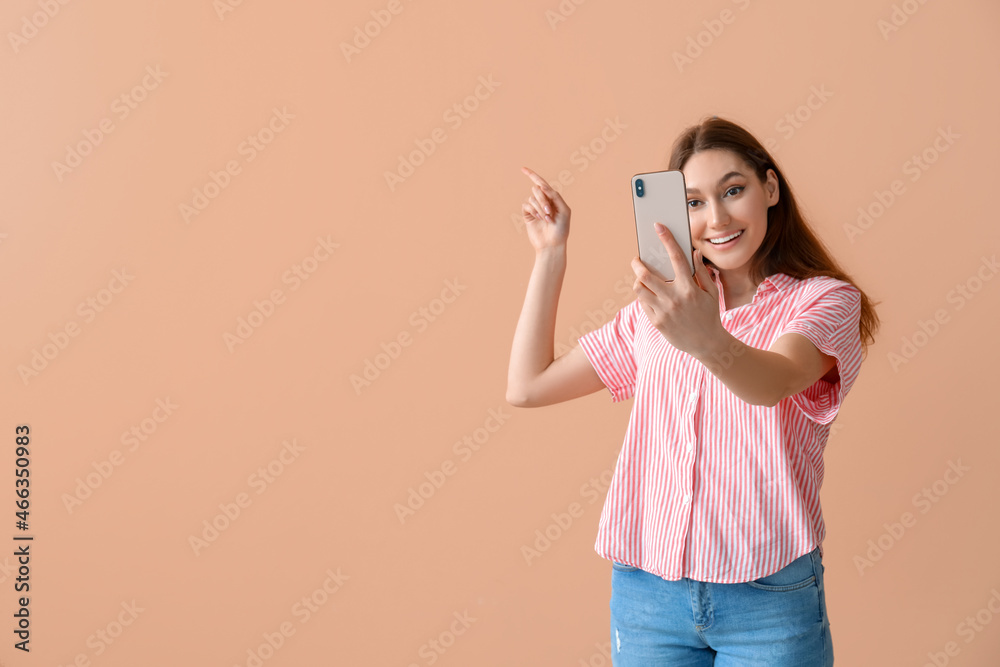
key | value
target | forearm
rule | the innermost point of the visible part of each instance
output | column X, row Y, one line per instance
column 757, row 376
column 534, row 338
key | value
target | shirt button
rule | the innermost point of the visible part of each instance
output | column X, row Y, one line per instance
column 690, row 445
column 687, row 498
column 693, row 395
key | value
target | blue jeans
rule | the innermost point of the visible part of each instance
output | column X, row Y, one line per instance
column 776, row 621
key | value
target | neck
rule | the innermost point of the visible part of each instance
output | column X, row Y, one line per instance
column 737, row 287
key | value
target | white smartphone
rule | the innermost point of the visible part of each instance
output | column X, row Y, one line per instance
column 660, row 196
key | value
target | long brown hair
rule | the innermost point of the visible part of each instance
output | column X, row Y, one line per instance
column 790, row 246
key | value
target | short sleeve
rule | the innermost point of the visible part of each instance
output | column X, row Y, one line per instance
column 611, row 350
column 830, row 318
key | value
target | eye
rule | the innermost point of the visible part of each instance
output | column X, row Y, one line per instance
column 738, row 188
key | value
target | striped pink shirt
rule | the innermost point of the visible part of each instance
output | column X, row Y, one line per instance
column 706, row 485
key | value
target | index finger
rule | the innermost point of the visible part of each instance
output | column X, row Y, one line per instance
column 536, row 178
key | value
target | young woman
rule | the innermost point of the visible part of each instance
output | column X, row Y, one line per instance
column 712, row 521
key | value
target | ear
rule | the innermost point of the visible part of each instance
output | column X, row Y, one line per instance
column 772, row 188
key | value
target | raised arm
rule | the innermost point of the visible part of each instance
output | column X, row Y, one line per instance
column 534, row 377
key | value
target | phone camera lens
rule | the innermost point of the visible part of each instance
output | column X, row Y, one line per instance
column 640, row 189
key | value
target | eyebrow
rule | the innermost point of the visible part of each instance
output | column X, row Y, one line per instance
column 721, row 181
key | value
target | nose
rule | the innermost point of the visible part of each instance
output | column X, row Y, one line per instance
column 717, row 215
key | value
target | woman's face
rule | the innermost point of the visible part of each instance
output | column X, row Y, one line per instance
column 725, row 199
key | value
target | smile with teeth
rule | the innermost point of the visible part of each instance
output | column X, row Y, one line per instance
column 725, row 239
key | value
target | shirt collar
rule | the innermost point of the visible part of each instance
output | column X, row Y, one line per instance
column 776, row 281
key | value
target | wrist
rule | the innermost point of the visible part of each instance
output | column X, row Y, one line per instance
column 551, row 255
column 721, row 350
column 556, row 250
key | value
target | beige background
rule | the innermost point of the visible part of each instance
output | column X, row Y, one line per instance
column 877, row 100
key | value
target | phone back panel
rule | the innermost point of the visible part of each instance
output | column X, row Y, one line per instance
column 664, row 200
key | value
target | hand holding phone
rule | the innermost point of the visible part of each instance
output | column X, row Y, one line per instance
column 661, row 196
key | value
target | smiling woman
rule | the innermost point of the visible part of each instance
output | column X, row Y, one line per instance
column 737, row 373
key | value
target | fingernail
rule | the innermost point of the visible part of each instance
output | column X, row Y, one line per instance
column 659, row 228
